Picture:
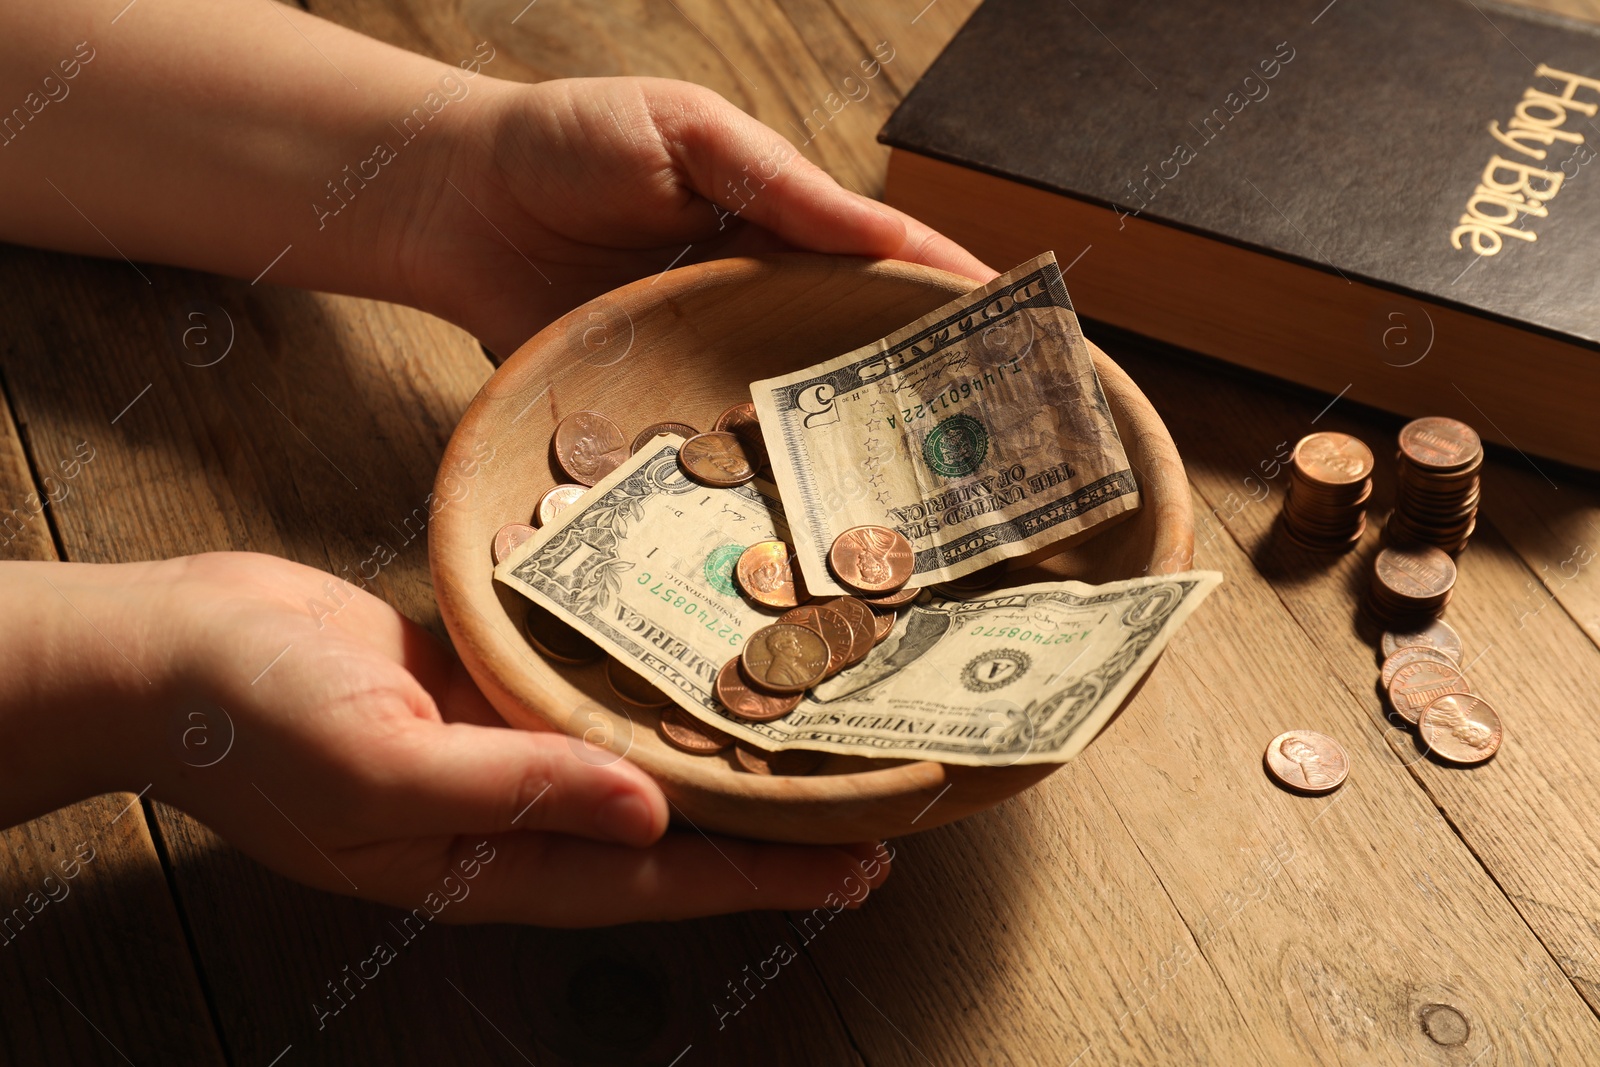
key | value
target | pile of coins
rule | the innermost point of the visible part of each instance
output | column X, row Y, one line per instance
column 1330, row 481
column 1436, row 499
column 1426, row 686
column 1410, row 586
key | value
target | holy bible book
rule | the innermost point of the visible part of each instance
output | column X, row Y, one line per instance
column 1399, row 202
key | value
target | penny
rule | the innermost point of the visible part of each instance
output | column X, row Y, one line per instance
column 1437, row 634
column 509, row 537
column 736, row 695
column 890, row 601
column 716, row 459
column 1411, row 654
column 683, row 731
column 767, row 575
column 785, row 657
column 656, row 429
column 883, row 626
column 1418, row 684
column 835, row 628
column 1331, row 458
column 741, row 421
column 555, row 640
column 1439, row 443
column 1461, row 728
column 1307, row 762
column 863, row 624
column 1415, row 573
column 791, row 763
column 589, row 446
column 871, row 559
column 556, row 501
column 632, row 689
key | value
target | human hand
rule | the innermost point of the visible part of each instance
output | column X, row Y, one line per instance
column 550, row 194
column 338, row 743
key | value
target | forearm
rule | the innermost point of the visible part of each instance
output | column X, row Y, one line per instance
column 216, row 136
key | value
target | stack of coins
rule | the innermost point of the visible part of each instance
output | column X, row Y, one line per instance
column 1410, row 586
column 1330, row 480
column 1436, row 502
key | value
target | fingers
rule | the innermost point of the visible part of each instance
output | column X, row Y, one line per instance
column 555, row 881
column 458, row 778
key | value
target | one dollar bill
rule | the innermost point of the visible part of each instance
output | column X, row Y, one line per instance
column 980, row 432
column 643, row 566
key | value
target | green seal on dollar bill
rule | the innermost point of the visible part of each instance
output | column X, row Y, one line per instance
column 719, row 568
column 956, row 447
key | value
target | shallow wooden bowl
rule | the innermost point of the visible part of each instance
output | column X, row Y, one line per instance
column 685, row 346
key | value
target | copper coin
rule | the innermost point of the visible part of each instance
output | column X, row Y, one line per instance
column 656, row 429
column 1437, row 634
column 632, row 689
column 863, row 624
column 589, row 446
column 556, row 501
column 682, row 730
column 1438, row 443
column 767, row 574
column 511, row 535
column 834, row 627
column 1331, row 458
column 555, row 640
column 791, row 763
column 716, row 459
column 883, row 626
column 871, row 559
column 741, row 421
column 785, row 658
column 1307, row 762
column 1418, row 684
column 889, row 601
column 1411, row 654
column 1415, row 573
column 1461, row 728
column 735, row 694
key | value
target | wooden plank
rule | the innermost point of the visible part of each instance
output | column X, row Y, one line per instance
column 316, row 437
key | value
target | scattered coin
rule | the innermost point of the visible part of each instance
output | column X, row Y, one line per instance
column 556, row 501
column 716, row 459
column 790, row 763
column 835, row 628
column 589, row 446
column 871, row 559
column 1418, row 684
column 735, row 694
column 784, row 657
column 863, row 626
column 1437, row 634
column 682, row 730
column 767, row 574
column 741, row 421
column 556, row 640
column 1307, row 762
column 509, row 537
column 656, row 429
column 883, row 626
column 633, row 689
column 1460, row 728
column 1411, row 654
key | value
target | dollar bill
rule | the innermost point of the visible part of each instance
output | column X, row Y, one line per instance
column 980, row 432
column 643, row 566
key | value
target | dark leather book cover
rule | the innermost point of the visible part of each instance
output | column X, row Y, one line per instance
column 1443, row 149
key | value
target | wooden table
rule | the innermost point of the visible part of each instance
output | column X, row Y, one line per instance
column 1157, row 900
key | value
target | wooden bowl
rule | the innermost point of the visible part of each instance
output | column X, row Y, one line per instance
column 684, row 346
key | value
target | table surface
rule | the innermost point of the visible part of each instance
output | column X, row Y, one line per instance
column 1154, row 900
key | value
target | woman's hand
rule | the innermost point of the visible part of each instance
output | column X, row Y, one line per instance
column 333, row 740
column 547, row 195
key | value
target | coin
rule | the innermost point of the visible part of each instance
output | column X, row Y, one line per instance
column 871, row 559
column 656, row 429
column 979, row 580
column 863, row 625
column 1418, row 684
column 632, row 689
column 1461, row 728
column 1440, row 443
column 741, row 421
column 1331, row 458
column 790, row 763
column 834, row 627
column 555, row 640
column 716, row 459
column 682, row 730
column 736, row 695
column 1415, row 573
column 767, row 575
column 509, row 537
column 883, row 626
column 1411, row 654
column 1437, row 634
column 589, row 446
column 890, row 601
column 784, row 657
column 1307, row 762
column 556, row 501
